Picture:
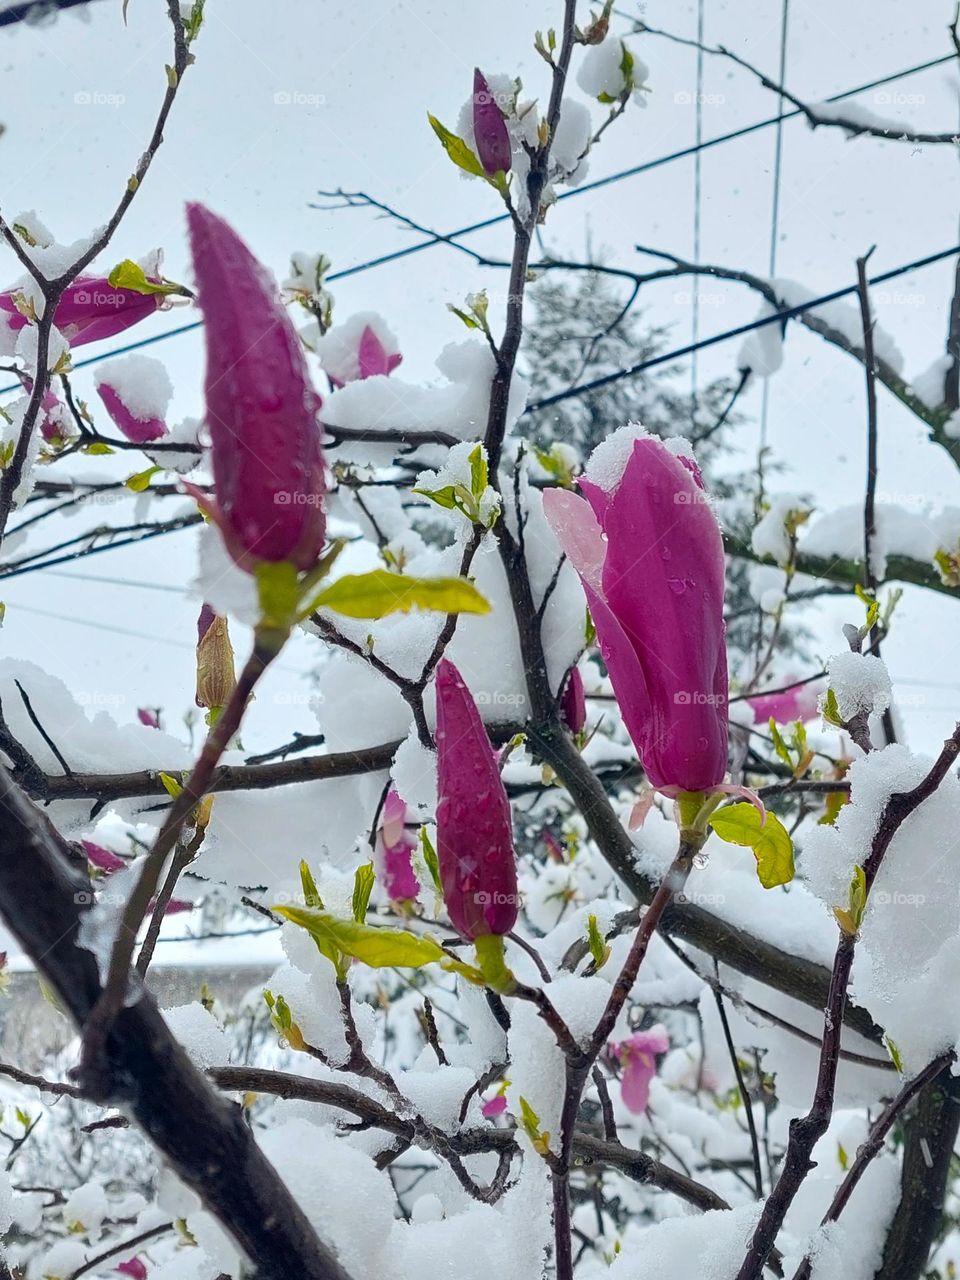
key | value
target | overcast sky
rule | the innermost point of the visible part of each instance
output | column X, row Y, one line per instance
column 288, row 99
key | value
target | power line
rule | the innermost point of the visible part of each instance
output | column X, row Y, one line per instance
column 774, row 220
column 471, row 228
column 775, row 318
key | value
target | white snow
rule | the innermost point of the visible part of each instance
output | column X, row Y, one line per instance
column 860, row 683
column 141, row 382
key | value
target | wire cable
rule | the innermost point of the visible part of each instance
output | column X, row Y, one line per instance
column 473, row 227
column 775, row 318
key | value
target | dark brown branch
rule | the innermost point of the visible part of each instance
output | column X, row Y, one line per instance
column 806, row 1131
column 205, row 1139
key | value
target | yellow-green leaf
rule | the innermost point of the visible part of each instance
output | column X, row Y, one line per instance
column 431, row 861
column 96, row 449
column 171, row 785
column 378, row 593
column 379, row 948
column 362, row 888
column 771, row 843
column 457, row 149
column 130, row 275
column 311, row 894
column 140, row 480
column 598, row 947
column 895, row 1056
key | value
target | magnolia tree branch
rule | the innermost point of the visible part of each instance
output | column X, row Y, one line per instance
column 815, row 116
column 930, row 1135
column 143, row 1067
column 873, row 1145
column 806, row 1131
column 53, row 289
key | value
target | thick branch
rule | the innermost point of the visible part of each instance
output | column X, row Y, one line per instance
column 145, row 1070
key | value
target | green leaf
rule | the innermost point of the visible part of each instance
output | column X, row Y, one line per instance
column 140, row 480
column 530, row 1123
column 311, row 895
column 171, row 785
column 362, row 888
column 895, row 1056
column 842, row 1157
column 771, row 843
column 430, row 859
column 598, row 947
column 462, row 315
column 478, row 472
column 3, row 612
column 446, row 497
column 851, row 917
column 379, row 948
column 779, row 746
column 130, row 275
column 378, row 593
column 96, row 449
column 457, row 149
column 831, row 711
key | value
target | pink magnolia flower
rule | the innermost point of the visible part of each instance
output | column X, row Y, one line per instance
column 395, row 848
column 638, row 1064
column 648, row 551
column 573, row 702
column 133, row 1268
column 489, row 129
column 90, row 309
column 260, row 408
column 474, row 834
column 148, row 717
column 799, row 702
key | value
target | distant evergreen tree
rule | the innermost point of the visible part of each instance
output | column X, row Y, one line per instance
column 577, row 331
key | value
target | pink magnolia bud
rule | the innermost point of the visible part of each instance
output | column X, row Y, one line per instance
column 102, row 858
column 149, row 717
column 637, row 1055
column 136, row 393
column 261, row 410
column 494, row 1106
column 573, row 702
column 359, row 348
column 395, row 847
column 489, row 129
column 54, row 423
column 133, row 1268
column 91, row 309
column 216, row 671
column 474, row 834
column 648, row 550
